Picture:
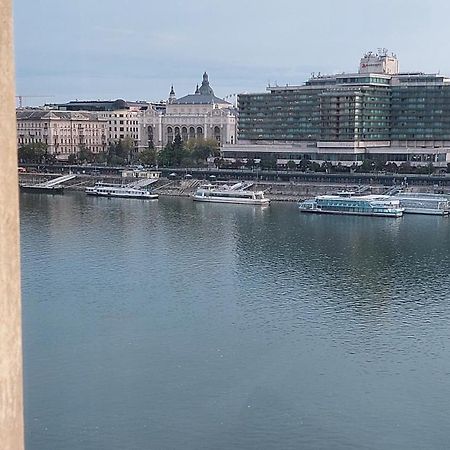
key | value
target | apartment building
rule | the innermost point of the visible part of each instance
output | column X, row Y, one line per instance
column 64, row 132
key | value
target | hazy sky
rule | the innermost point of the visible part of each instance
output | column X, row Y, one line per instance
column 107, row 49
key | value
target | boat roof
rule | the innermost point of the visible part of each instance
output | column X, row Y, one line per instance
column 421, row 196
column 355, row 197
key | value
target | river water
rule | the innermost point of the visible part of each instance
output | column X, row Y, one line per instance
column 176, row 325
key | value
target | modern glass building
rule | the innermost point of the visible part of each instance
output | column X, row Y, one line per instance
column 376, row 113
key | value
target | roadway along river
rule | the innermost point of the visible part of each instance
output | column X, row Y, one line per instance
column 176, row 325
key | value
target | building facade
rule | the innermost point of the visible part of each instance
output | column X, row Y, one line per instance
column 124, row 118
column 376, row 113
column 197, row 115
column 64, row 132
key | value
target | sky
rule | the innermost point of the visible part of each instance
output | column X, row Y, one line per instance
column 136, row 49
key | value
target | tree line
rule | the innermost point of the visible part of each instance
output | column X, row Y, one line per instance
column 192, row 153
column 195, row 153
column 306, row 165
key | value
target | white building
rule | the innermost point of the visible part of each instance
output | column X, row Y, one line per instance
column 197, row 115
column 64, row 132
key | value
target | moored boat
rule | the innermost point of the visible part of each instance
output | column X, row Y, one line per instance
column 417, row 203
column 365, row 205
column 230, row 194
column 115, row 190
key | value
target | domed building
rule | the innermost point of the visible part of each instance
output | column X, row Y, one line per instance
column 197, row 115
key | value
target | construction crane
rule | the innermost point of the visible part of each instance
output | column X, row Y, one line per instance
column 20, row 98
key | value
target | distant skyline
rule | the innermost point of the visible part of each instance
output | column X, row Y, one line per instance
column 108, row 49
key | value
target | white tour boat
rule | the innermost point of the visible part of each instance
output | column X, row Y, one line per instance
column 364, row 205
column 417, row 203
column 230, row 194
column 115, row 190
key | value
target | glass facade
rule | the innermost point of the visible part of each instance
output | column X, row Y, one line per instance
column 355, row 115
column 288, row 115
column 350, row 108
column 420, row 112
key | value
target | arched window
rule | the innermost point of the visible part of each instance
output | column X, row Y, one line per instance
column 217, row 134
column 191, row 133
column 184, row 134
column 150, row 135
column 199, row 132
column 169, row 135
column 177, row 131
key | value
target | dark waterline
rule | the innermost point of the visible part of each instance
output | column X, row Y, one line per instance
column 176, row 325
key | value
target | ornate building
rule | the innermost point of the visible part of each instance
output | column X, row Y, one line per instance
column 197, row 115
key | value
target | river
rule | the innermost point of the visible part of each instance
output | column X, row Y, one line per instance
column 170, row 324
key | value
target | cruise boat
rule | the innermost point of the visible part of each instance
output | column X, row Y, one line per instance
column 115, row 190
column 364, row 205
column 416, row 203
column 230, row 194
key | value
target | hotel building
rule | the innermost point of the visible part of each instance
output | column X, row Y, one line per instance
column 375, row 114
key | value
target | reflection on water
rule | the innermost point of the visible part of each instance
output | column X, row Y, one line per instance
column 175, row 324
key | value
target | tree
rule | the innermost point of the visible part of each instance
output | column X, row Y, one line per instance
column 405, row 167
column 250, row 163
column 165, row 156
column 117, row 153
column 100, row 158
column 199, row 150
column 173, row 153
column 327, row 166
column 35, row 152
column 307, row 165
column 128, row 149
column 238, row 163
column 268, row 162
column 84, row 154
column 391, row 167
column 291, row 165
column 178, row 150
column 148, row 157
column 340, row 168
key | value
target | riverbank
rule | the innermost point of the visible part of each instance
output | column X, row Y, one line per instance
column 276, row 190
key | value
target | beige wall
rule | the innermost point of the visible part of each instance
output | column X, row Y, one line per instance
column 11, row 404
column 64, row 137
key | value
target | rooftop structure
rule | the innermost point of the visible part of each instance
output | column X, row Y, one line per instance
column 99, row 105
column 379, row 62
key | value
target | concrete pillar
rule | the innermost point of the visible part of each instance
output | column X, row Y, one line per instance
column 11, row 403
